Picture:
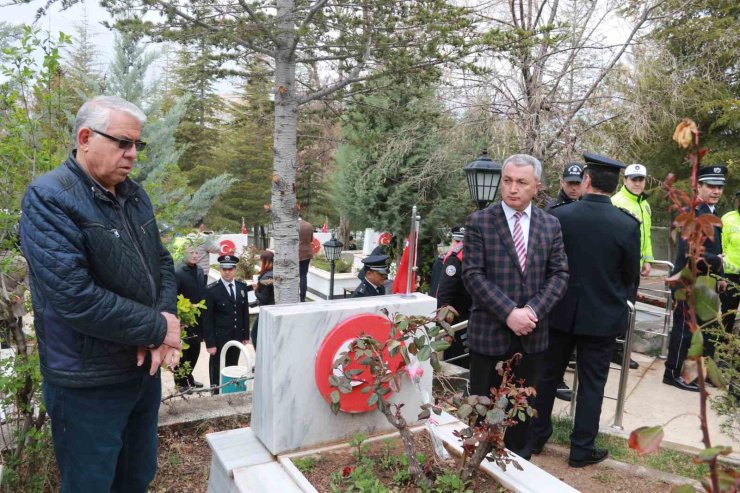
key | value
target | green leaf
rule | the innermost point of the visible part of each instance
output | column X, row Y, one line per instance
column 495, row 416
column 333, row 381
column 334, row 396
column 366, row 389
column 707, row 302
column 464, row 411
column 424, row 414
column 373, row 399
column 440, row 345
column 709, row 454
column 680, row 295
column 424, row 353
column 715, row 376
column 707, row 281
column 481, row 409
column 696, row 349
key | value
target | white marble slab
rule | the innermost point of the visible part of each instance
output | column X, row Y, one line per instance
column 288, row 411
column 233, row 449
column 263, row 478
column 531, row 479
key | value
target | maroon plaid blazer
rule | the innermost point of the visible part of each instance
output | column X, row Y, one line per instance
column 494, row 279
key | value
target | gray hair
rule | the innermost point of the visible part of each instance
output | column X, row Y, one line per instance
column 521, row 160
column 95, row 113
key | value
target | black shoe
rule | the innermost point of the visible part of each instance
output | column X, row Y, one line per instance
column 184, row 389
column 634, row 365
column 597, row 455
column 679, row 383
column 563, row 392
column 197, row 384
column 537, row 450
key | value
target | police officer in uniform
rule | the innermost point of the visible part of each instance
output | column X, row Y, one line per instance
column 226, row 317
column 711, row 183
column 571, row 190
column 373, row 276
column 603, row 247
column 451, row 292
column 571, row 186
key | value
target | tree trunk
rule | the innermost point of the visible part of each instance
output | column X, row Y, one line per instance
column 284, row 212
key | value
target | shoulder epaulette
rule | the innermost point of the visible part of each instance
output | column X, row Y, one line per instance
column 213, row 284
column 458, row 247
column 559, row 204
column 361, row 288
column 629, row 214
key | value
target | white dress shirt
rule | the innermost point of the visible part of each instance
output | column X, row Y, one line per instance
column 226, row 285
column 523, row 221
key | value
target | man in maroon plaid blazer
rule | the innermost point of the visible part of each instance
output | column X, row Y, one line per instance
column 516, row 270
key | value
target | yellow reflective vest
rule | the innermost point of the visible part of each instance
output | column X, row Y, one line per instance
column 731, row 242
column 638, row 207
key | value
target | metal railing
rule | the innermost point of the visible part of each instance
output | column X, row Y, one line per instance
column 667, row 311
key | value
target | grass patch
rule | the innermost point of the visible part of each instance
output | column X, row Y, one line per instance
column 666, row 460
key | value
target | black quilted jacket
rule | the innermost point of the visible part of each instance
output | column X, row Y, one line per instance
column 99, row 277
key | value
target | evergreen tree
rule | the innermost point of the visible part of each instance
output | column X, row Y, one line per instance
column 245, row 151
column 197, row 74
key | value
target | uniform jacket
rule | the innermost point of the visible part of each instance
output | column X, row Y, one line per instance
column 99, row 276
column 191, row 284
column 638, row 207
column 451, row 290
column 603, row 247
column 494, row 279
column 225, row 319
column 561, row 199
column 712, row 248
column 367, row 289
column 731, row 242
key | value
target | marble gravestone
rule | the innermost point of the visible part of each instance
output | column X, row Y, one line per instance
column 288, row 412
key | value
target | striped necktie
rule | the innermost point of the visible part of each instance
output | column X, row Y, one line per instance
column 518, row 236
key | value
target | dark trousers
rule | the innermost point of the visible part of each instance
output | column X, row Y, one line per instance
column 593, row 355
column 483, row 376
column 189, row 355
column 458, row 348
column 303, row 271
column 254, row 332
column 214, row 364
column 679, row 342
column 105, row 438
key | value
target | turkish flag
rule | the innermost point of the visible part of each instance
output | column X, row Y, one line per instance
column 244, row 227
column 402, row 274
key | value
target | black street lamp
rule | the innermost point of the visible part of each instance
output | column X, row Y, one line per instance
column 484, row 177
column 333, row 251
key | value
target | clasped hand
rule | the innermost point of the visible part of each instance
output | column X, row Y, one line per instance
column 169, row 352
column 521, row 321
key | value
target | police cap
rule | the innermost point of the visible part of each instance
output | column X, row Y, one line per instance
column 602, row 162
column 228, row 261
column 378, row 263
column 458, row 233
column 573, row 172
column 712, row 175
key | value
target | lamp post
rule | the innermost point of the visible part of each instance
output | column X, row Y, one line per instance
column 333, row 251
column 484, row 177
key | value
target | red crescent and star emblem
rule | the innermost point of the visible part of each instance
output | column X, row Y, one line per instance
column 227, row 247
column 338, row 341
column 315, row 246
column 385, row 238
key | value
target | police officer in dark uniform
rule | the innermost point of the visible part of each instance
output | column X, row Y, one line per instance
column 711, row 182
column 571, row 190
column 603, row 247
column 372, row 276
column 451, row 292
column 571, row 187
column 226, row 317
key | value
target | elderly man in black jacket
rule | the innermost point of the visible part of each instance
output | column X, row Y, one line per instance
column 104, row 302
column 192, row 285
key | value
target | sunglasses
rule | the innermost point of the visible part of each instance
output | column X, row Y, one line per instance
column 124, row 144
